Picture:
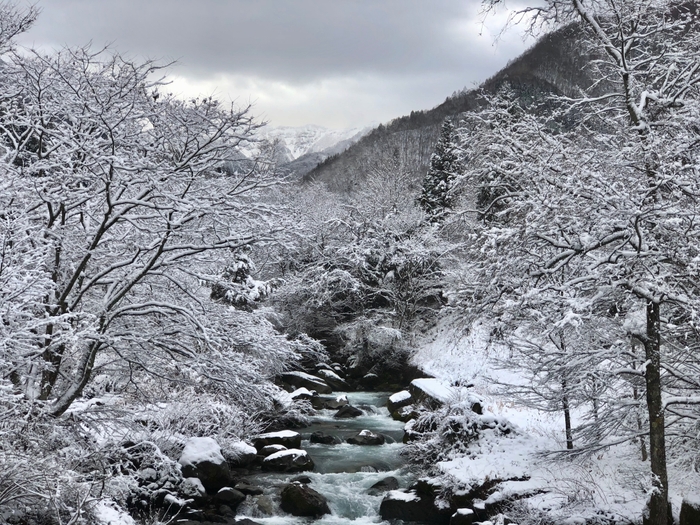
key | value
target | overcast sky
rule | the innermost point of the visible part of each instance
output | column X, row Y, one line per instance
column 337, row 63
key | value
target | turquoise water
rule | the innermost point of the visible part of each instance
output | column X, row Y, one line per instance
column 344, row 472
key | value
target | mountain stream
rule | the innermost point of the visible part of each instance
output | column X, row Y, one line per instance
column 343, row 473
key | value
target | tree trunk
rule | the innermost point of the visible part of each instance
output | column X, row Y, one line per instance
column 635, row 395
column 567, row 417
column 75, row 389
column 658, row 500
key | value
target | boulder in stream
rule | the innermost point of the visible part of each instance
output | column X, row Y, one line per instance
column 399, row 400
column 302, row 500
column 384, row 485
column 335, row 404
column 248, row 489
column 304, row 480
column 292, row 460
column 367, row 437
column 334, row 380
column 268, row 450
column 347, row 412
column 265, row 505
column 409, row 506
column 230, row 497
column 302, row 379
column 287, row 438
column 324, row 439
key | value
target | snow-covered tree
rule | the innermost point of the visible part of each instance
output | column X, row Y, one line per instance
column 622, row 212
column 121, row 195
column 437, row 195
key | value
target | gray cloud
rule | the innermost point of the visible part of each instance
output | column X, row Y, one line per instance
column 332, row 62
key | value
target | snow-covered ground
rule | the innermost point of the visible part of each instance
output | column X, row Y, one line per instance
column 613, row 482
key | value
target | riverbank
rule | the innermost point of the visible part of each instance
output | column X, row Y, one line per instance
column 609, row 486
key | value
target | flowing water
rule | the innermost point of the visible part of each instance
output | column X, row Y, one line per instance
column 343, row 473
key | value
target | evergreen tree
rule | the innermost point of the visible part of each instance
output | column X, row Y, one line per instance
column 436, row 196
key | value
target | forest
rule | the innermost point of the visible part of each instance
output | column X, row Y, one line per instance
column 174, row 311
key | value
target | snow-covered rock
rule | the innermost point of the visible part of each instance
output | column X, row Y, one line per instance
column 292, row 460
column 334, row 380
column 240, row 454
column 462, row 517
column 690, row 510
column 367, row 437
column 301, row 500
column 302, row 379
column 338, row 402
column 287, row 438
column 431, row 391
column 107, row 513
column 302, row 393
column 230, row 497
column 268, row 450
column 399, row 400
column 409, row 506
column 202, row 459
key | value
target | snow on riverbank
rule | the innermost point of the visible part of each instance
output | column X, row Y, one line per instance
column 613, row 481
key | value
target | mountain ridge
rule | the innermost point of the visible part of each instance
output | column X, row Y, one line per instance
column 555, row 64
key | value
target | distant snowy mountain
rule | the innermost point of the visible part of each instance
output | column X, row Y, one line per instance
column 295, row 142
column 298, row 150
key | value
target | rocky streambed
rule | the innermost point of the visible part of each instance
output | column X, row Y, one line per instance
column 352, row 479
column 346, row 467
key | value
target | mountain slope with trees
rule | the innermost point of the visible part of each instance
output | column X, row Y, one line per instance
column 554, row 65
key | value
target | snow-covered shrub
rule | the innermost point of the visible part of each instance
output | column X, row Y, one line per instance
column 447, row 432
column 51, row 471
column 237, row 287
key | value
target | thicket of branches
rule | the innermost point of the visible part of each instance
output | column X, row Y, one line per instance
column 121, row 208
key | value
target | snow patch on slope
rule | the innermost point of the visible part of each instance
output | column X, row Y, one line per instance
column 613, row 481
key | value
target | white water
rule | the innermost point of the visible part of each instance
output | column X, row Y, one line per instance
column 339, row 474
